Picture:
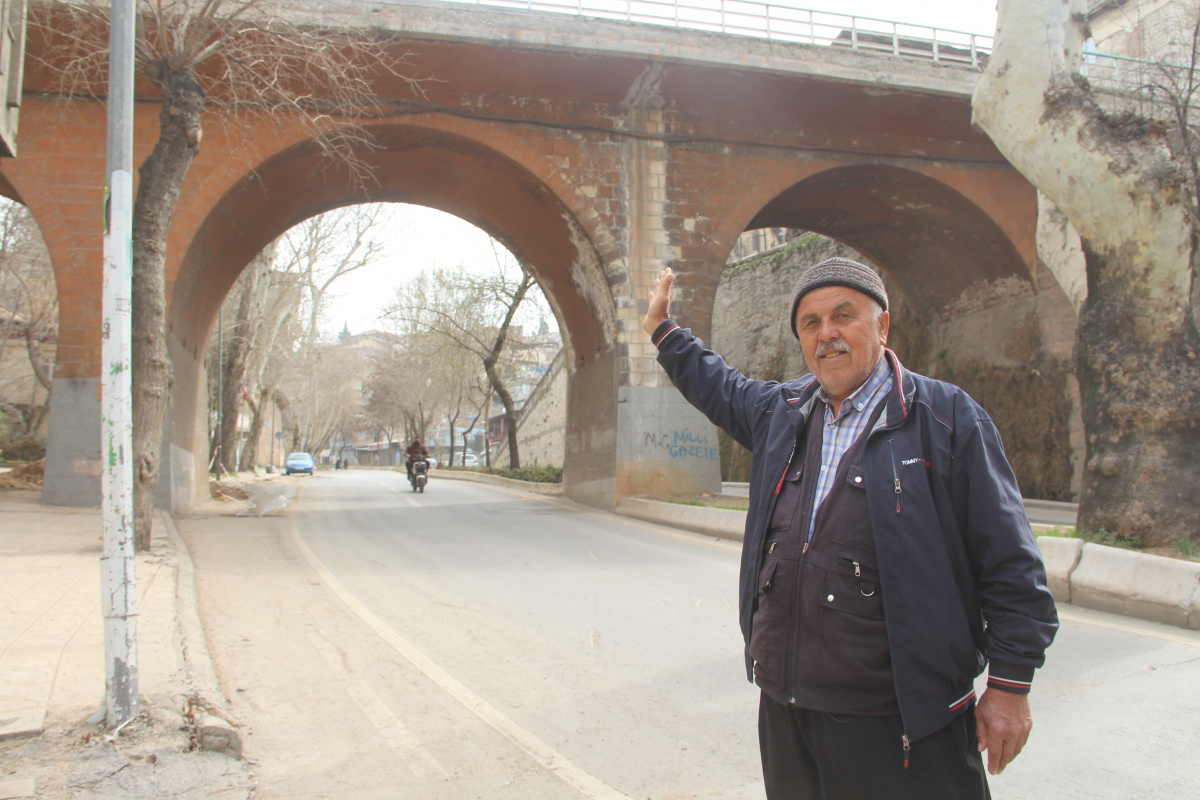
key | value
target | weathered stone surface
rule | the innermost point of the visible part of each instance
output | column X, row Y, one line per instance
column 1061, row 556
column 218, row 736
column 1008, row 346
column 22, row 724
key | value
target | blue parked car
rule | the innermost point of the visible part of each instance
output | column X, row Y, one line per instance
column 298, row 462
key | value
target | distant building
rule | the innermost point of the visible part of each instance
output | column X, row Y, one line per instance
column 1150, row 30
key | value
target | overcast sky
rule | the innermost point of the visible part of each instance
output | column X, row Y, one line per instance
column 421, row 239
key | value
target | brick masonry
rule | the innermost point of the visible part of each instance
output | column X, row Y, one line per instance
column 596, row 152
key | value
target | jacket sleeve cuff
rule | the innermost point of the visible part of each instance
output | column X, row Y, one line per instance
column 1010, row 678
column 663, row 330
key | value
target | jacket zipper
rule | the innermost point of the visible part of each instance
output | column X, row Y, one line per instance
column 796, row 627
column 907, row 748
column 895, row 473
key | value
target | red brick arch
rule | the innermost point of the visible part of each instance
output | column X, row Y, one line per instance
column 77, row 283
column 414, row 165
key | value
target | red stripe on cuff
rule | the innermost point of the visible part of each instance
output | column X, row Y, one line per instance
column 664, row 335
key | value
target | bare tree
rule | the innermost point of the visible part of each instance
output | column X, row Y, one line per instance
column 331, row 384
column 28, row 314
column 249, row 294
column 463, row 388
column 247, row 57
column 1129, row 185
column 475, row 313
column 276, row 331
column 383, row 393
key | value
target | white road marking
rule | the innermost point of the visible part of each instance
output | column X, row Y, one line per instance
column 545, row 755
column 390, row 727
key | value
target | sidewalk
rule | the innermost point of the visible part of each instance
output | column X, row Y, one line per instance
column 52, row 667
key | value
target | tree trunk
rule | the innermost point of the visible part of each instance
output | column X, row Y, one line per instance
column 1128, row 196
column 510, row 412
column 489, row 367
column 250, row 450
column 161, row 176
column 453, row 420
column 237, row 354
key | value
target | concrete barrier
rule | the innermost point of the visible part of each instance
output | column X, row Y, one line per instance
column 723, row 523
column 1137, row 585
column 1061, row 556
column 1109, row 579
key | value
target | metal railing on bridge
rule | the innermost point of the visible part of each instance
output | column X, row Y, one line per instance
column 1123, row 83
column 779, row 23
column 1148, row 88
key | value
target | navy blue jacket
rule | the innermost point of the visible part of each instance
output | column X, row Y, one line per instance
column 961, row 574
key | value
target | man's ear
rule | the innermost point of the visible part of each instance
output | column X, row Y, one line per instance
column 885, row 324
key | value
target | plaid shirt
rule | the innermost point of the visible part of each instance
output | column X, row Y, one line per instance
column 844, row 429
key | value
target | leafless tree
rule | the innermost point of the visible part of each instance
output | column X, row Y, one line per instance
column 474, row 313
column 330, row 386
column 246, row 57
column 276, row 331
column 29, row 315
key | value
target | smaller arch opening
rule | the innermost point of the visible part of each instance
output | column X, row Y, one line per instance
column 28, row 331
column 941, row 249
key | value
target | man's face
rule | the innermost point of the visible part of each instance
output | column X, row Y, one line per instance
column 841, row 338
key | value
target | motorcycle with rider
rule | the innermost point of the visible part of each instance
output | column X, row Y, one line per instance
column 416, row 462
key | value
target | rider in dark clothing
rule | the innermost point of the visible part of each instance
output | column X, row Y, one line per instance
column 412, row 452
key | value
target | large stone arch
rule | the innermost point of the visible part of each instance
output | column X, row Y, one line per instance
column 974, row 309
column 410, row 164
column 937, row 245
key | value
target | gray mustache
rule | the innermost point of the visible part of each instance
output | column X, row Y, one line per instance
column 835, row 346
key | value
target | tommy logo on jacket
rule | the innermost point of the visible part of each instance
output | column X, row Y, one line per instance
column 908, row 462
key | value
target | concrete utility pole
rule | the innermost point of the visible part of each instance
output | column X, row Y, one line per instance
column 118, row 582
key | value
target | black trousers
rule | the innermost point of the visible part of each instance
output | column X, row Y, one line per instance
column 813, row 755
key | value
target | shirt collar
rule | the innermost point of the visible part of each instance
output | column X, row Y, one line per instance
column 862, row 398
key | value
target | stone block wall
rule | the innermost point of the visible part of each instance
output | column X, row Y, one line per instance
column 1009, row 347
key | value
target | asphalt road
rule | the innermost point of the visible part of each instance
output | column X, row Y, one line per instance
column 477, row 642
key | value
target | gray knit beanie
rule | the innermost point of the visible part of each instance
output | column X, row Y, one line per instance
column 838, row 272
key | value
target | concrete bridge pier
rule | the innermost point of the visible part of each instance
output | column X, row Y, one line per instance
column 73, row 466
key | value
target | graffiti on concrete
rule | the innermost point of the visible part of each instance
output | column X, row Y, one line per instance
column 682, row 444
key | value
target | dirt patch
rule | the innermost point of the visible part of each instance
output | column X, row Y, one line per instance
column 227, row 491
column 26, row 476
column 152, row 758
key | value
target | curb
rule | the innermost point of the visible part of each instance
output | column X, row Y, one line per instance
column 206, row 705
column 548, row 489
column 1079, row 573
column 724, row 523
column 1138, row 585
column 1061, row 557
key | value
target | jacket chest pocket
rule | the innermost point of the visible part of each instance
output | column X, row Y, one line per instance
column 853, row 588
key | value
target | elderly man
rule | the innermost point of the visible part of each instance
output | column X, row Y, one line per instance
column 887, row 557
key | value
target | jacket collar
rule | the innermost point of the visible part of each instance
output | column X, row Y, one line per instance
column 899, row 400
column 900, row 396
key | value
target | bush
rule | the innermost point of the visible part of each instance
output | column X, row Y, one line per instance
column 531, row 474
column 25, row 448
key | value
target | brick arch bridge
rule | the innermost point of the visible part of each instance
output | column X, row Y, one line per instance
column 597, row 151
